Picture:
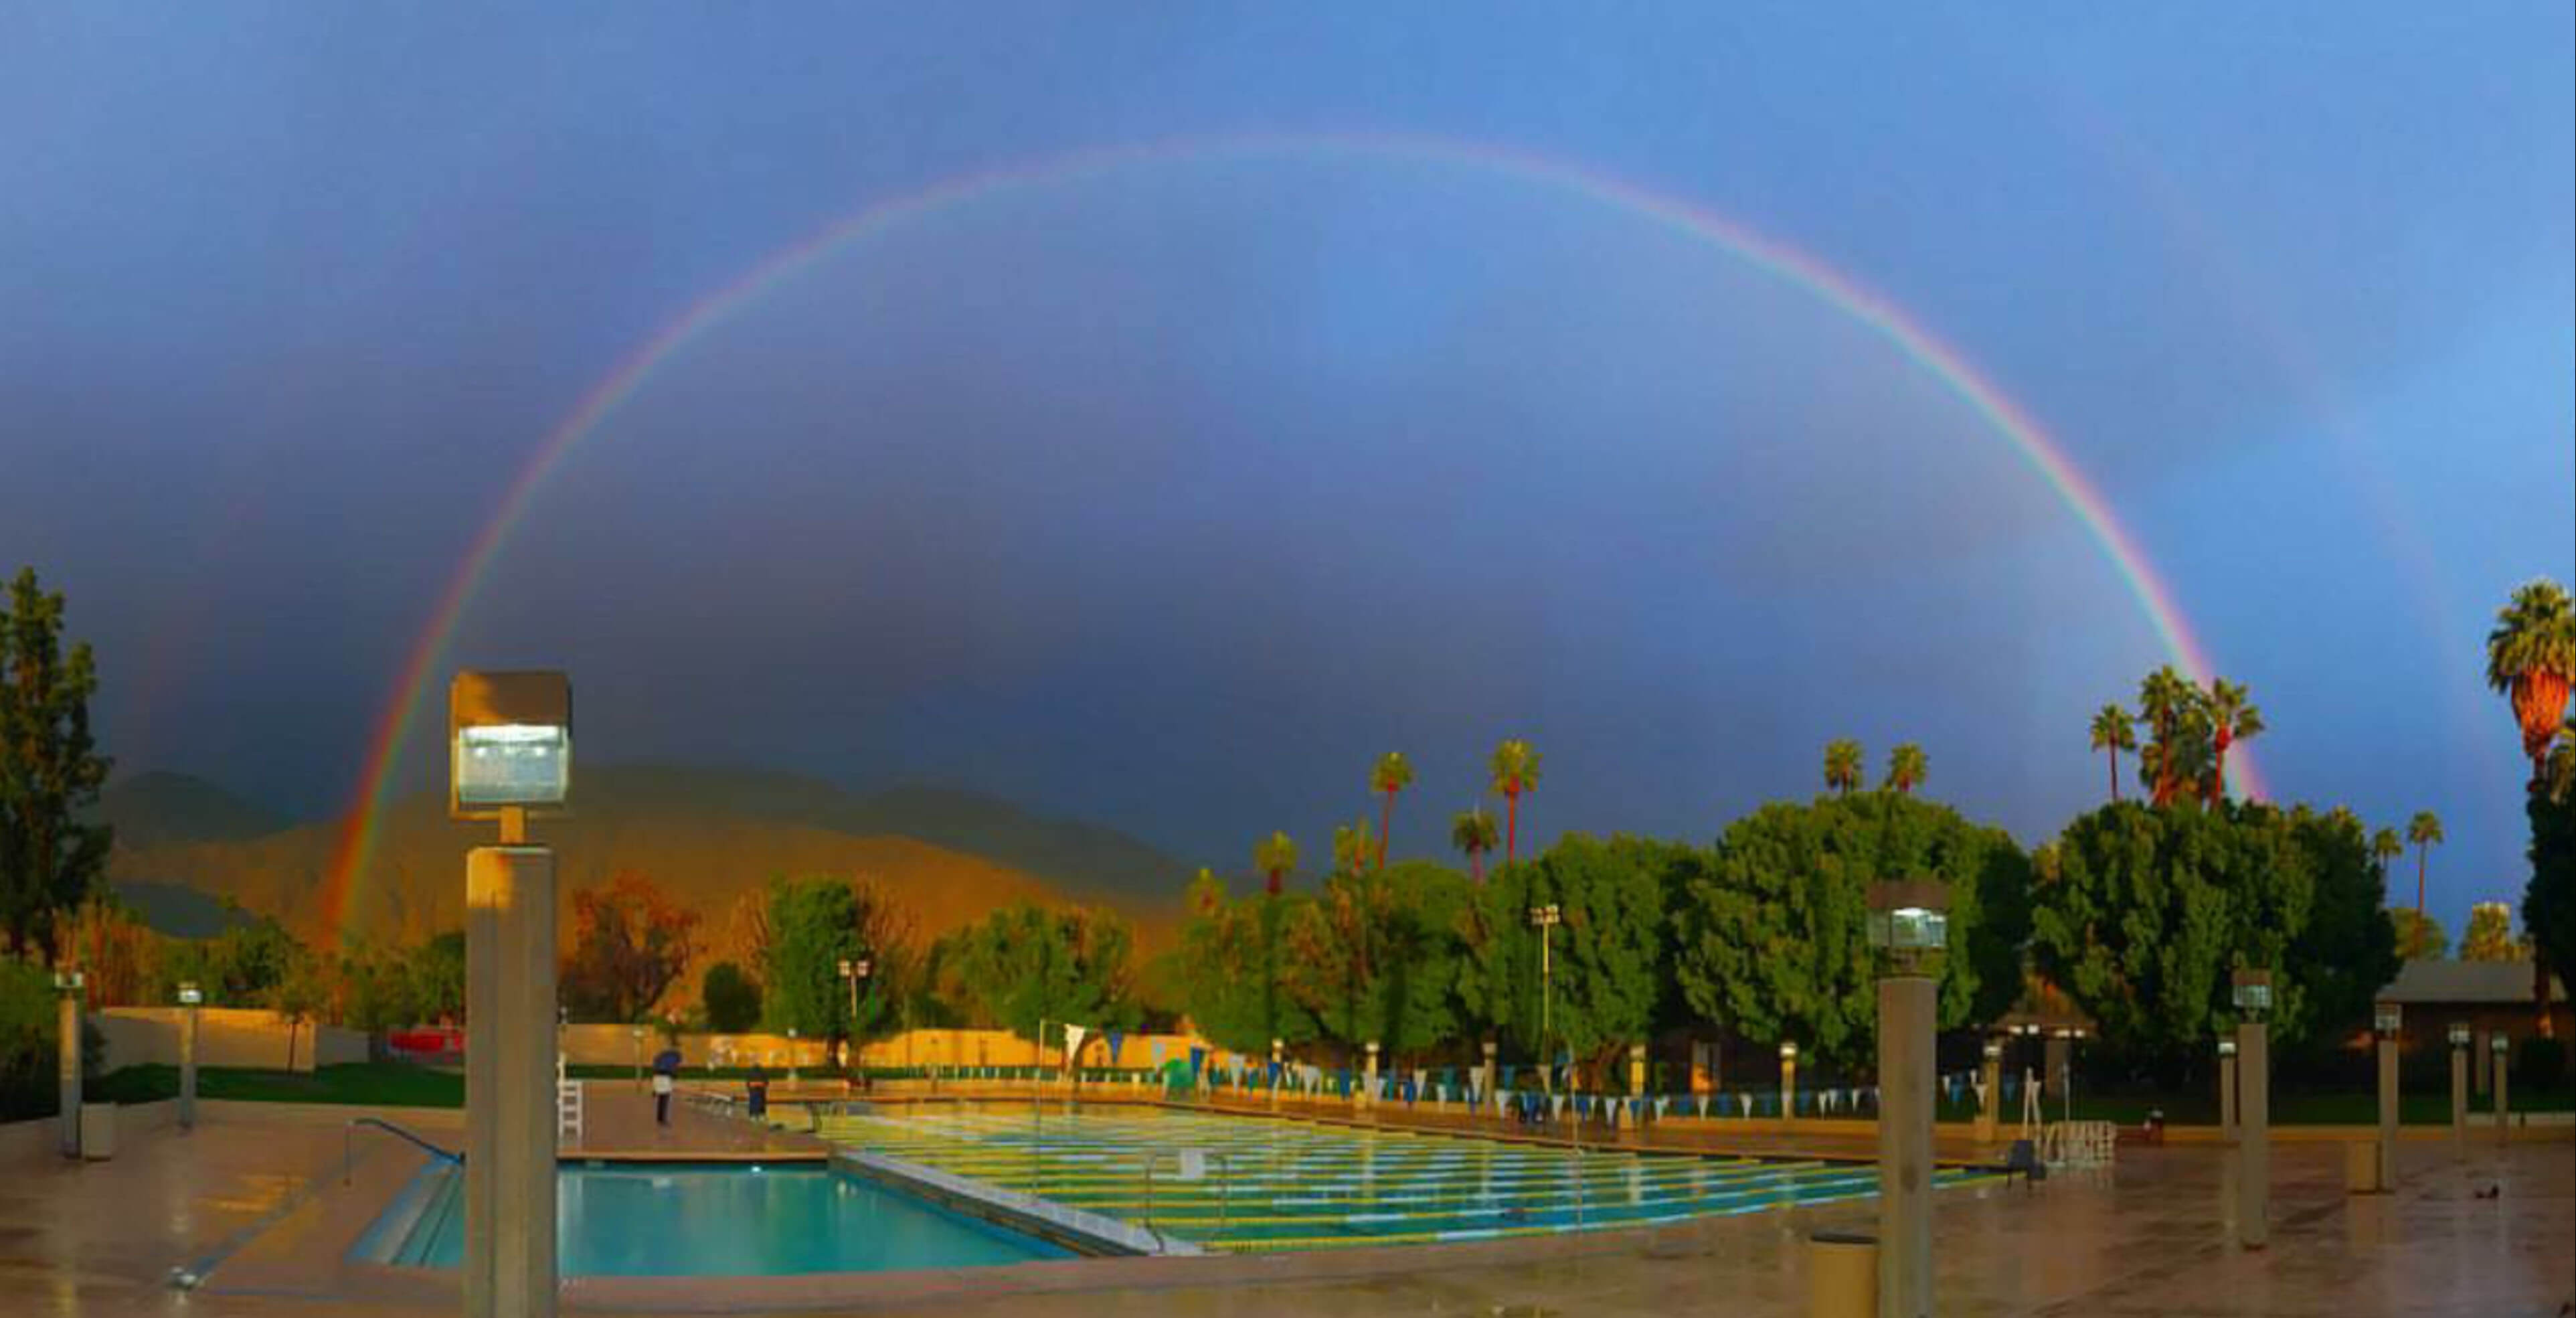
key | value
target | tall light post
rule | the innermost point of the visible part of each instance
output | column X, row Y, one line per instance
column 854, row 969
column 2459, row 1082
column 2386, row 1019
column 791, row 1056
column 2253, row 993
column 68, row 987
column 2500, row 1045
column 1545, row 919
column 190, row 997
column 510, row 752
column 636, row 1033
column 1909, row 925
column 2226, row 1088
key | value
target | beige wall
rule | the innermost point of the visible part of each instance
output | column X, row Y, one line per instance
column 226, row 1036
column 614, row 1045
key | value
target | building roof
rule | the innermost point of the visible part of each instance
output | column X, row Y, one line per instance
column 2501, row 983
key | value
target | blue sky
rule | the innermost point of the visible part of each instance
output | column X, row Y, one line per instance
column 1171, row 496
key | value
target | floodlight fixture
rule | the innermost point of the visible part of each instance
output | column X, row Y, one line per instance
column 2460, row 1034
column 1909, row 917
column 1788, row 1050
column 2253, row 993
column 2386, row 1018
column 509, row 743
column 190, row 995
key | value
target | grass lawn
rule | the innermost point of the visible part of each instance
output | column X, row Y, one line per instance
column 2348, row 1108
column 380, row 1084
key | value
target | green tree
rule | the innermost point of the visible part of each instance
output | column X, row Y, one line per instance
column 2113, row 732
column 1515, row 771
column 2385, row 847
column 2489, row 936
column 815, row 924
column 731, row 998
column 299, row 994
column 1391, row 776
column 2420, row 937
column 1376, row 958
column 2232, row 718
column 1276, row 858
column 1472, row 833
column 2424, row 830
column 50, row 771
column 2346, row 950
column 1905, row 768
column 1223, row 970
column 1032, row 967
column 2549, row 902
column 2181, row 751
column 1608, row 958
column 2531, row 657
column 1353, row 849
column 1842, row 765
column 437, row 972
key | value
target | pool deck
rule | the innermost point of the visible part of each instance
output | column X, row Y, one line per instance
column 260, row 1185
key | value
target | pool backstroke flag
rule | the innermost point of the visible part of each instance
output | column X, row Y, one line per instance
column 1073, row 1036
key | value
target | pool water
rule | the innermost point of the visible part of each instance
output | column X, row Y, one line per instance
column 1255, row 1183
column 718, row 1221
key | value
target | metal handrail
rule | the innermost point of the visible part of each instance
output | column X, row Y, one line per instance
column 349, row 1138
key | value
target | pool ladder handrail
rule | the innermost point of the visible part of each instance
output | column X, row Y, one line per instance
column 1224, row 1186
column 349, row 1138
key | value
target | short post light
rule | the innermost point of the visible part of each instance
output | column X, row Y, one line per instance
column 190, row 998
column 2253, row 995
column 1545, row 919
column 2387, row 1021
column 1368, row 1078
column 1909, row 925
column 510, row 754
column 2460, row 1036
column 791, row 1056
column 2227, row 1087
column 636, row 1033
column 1278, row 1069
column 1788, row 1079
column 68, row 988
column 2501, row 1045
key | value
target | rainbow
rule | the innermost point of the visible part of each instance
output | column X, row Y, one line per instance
column 703, row 317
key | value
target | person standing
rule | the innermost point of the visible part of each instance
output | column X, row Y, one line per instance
column 666, row 1077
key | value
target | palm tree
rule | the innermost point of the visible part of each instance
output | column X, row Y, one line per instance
column 2234, row 719
column 2561, row 770
column 2385, row 847
column 1352, row 848
column 1472, row 832
column 1392, row 775
column 1275, row 856
column 1905, row 766
column 1842, row 765
column 1515, row 772
column 2113, row 732
column 2423, row 830
column 2531, row 656
column 2165, row 701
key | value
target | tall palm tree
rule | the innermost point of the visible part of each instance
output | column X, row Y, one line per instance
column 2233, row 719
column 2531, row 656
column 1352, row 848
column 1515, row 771
column 1392, row 775
column 2423, row 830
column 2385, row 846
column 2113, row 732
column 2165, row 701
column 1275, row 856
column 1842, row 765
column 1473, row 833
column 1905, row 768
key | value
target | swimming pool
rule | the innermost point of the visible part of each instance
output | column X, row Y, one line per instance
column 1246, row 1183
column 710, row 1221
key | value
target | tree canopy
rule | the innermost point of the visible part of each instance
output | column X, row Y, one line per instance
column 51, row 858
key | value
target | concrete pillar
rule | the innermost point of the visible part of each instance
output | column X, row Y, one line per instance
column 1368, row 1082
column 2503, row 1075
column 1279, row 1069
column 68, row 1058
column 2227, row 1097
column 1485, row 1084
column 1990, row 1112
column 2388, row 1114
column 509, row 1082
column 2459, row 1093
column 2254, row 1138
column 188, row 1068
column 1789, row 1082
column 1637, row 1069
column 2479, row 1070
column 1907, row 1005
column 2059, row 1054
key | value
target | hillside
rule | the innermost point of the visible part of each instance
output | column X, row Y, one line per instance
column 152, row 809
column 707, row 838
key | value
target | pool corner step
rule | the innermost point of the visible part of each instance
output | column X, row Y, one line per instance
column 1077, row 1229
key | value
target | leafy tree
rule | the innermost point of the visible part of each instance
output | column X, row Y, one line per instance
column 375, row 986
column 1225, row 969
column 1842, row 765
column 1905, row 768
column 1472, row 833
column 2346, row 950
column 2424, row 830
column 2489, row 936
column 1353, row 850
column 1391, row 776
column 1376, row 958
column 814, row 924
column 1607, row 957
column 117, row 952
column 2420, row 937
column 1515, row 771
column 437, row 973
column 731, row 998
column 2182, row 740
column 1772, row 929
column 245, row 963
column 2232, row 718
column 2549, row 902
column 2112, row 732
column 631, row 943
column 1031, row 966
column 299, row 993
column 2531, row 657
column 50, row 771
column 1276, row 857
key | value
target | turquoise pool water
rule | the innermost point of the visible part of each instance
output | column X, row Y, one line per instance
column 715, row 1221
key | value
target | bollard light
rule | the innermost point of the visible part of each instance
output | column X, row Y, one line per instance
column 69, row 981
column 2386, row 1018
column 190, row 995
column 2253, row 993
column 1788, row 1051
column 2226, row 1048
column 1909, row 920
column 2459, row 1034
column 1994, row 1050
column 510, row 742
column 2499, row 1044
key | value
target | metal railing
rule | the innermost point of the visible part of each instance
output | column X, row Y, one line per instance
column 349, row 1143
column 1224, row 1173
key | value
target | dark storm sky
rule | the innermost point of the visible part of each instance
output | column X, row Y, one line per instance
column 1170, row 496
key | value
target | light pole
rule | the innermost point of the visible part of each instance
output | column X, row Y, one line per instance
column 2386, row 1018
column 189, row 998
column 68, row 986
column 2226, row 1088
column 2500, row 1045
column 1544, row 919
column 510, row 744
column 1991, row 1110
column 2253, row 992
column 791, row 1056
column 1788, row 1079
column 1909, row 925
column 854, row 970
column 637, row 1033
column 2459, row 1082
